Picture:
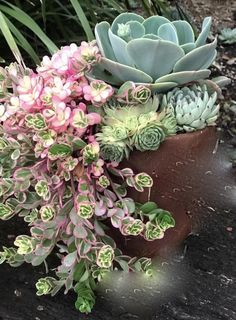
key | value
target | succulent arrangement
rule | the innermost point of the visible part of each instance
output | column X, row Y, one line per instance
column 228, row 35
column 66, row 126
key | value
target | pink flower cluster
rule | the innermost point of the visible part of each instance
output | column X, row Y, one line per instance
column 58, row 90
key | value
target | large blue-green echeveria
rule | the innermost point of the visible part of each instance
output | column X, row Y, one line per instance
column 154, row 51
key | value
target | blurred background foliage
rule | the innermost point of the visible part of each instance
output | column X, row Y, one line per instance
column 33, row 28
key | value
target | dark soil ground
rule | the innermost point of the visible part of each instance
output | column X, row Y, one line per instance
column 202, row 278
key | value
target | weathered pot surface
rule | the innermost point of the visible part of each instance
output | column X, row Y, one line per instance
column 191, row 179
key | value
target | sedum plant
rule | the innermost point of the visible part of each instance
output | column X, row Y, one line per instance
column 56, row 176
column 193, row 106
column 154, row 51
column 228, row 35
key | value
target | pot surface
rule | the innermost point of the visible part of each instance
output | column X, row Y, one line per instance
column 190, row 176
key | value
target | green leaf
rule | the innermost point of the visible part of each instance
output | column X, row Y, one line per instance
column 22, row 174
column 83, row 19
column 78, row 144
column 148, row 207
column 79, row 270
column 59, row 151
column 10, row 40
column 23, row 42
column 27, row 21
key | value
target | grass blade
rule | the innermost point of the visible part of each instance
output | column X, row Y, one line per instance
column 23, row 42
column 83, row 20
column 26, row 20
column 10, row 40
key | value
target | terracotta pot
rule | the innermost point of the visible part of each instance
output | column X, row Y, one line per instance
column 190, row 175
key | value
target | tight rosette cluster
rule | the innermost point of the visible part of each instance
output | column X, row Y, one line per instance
column 138, row 126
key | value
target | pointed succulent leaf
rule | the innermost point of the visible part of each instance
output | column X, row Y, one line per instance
column 168, row 32
column 160, row 56
column 159, row 87
column 206, row 25
column 125, row 73
column 184, row 31
column 103, row 41
column 197, row 59
column 187, row 47
column 123, row 18
column 119, row 47
column 152, row 24
column 183, row 77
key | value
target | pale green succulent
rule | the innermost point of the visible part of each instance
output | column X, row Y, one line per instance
column 193, row 106
column 228, row 35
column 139, row 126
column 44, row 286
column 154, row 51
column 149, row 137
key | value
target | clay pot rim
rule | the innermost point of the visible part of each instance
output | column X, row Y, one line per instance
column 183, row 135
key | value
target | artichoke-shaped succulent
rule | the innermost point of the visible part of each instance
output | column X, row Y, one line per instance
column 154, row 51
column 194, row 107
column 228, row 35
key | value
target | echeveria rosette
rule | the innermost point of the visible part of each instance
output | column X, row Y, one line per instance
column 114, row 150
column 149, row 137
column 194, row 107
column 154, row 51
